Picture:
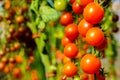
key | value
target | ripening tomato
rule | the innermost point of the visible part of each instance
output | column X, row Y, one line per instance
column 77, row 8
column 85, row 2
column 70, row 69
column 60, row 5
column 71, row 31
column 102, row 45
column 65, row 41
column 90, row 64
column 66, row 18
column 71, row 50
column 83, row 27
column 94, row 36
column 93, row 13
column 72, row 1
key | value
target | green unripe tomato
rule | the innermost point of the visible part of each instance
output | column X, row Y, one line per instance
column 60, row 5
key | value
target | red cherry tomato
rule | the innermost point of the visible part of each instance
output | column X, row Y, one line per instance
column 83, row 27
column 102, row 45
column 100, row 76
column 71, row 50
column 71, row 31
column 66, row 18
column 65, row 41
column 94, row 36
column 85, row 2
column 90, row 64
column 70, row 69
column 77, row 8
column 93, row 13
column 72, row 1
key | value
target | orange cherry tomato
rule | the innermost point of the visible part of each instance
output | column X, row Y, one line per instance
column 70, row 69
column 94, row 36
column 93, row 13
column 71, row 31
column 71, row 50
column 90, row 64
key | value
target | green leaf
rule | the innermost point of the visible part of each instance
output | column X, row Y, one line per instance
column 41, row 25
column 48, row 14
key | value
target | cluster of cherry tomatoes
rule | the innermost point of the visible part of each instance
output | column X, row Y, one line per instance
column 87, row 28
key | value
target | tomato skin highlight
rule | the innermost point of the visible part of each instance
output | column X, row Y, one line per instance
column 71, row 50
column 83, row 27
column 93, row 13
column 71, row 31
column 70, row 69
column 65, row 41
column 85, row 2
column 90, row 64
column 77, row 8
column 94, row 36
column 66, row 18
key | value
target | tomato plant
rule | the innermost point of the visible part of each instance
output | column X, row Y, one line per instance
column 93, row 13
column 66, row 18
column 94, row 36
column 69, row 69
column 83, row 27
column 90, row 64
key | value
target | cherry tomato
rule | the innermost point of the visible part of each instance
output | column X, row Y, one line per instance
column 71, row 31
column 83, row 76
column 59, row 55
column 90, row 64
column 65, row 41
column 94, row 36
column 66, row 18
column 100, row 76
column 77, row 8
column 60, row 5
column 72, row 1
column 70, row 69
column 17, row 73
column 18, row 59
column 34, row 75
column 2, row 66
column 83, row 27
column 93, row 13
column 71, row 50
column 85, row 2
column 20, row 19
column 66, row 59
column 102, row 45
